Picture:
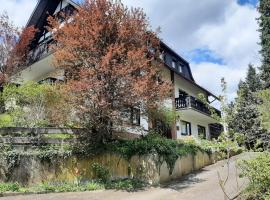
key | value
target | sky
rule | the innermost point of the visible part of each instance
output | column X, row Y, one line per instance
column 218, row 37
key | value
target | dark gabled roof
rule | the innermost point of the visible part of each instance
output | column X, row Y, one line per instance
column 186, row 63
column 40, row 15
column 165, row 46
column 42, row 11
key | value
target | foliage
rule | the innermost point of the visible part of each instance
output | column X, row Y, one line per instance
column 120, row 184
column 258, row 172
column 101, row 173
column 166, row 149
column 36, row 105
column 163, row 119
column 264, row 96
column 9, row 187
column 224, row 106
column 5, row 120
column 11, row 156
column 246, row 116
column 108, row 53
column 223, row 145
column 51, row 187
column 166, row 115
column 212, row 110
column 14, row 52
column 264, row 29
column 58, row 136
column 67, row 187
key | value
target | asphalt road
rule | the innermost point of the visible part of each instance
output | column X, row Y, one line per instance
column 202, row 185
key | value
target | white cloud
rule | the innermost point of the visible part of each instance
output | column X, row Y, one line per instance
column 181, row 19
column 210, row 74
column 234, row 39
column 226, row 28
column 18, row 10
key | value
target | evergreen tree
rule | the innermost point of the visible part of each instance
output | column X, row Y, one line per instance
column 264, row 24
column 253, row 80
column 246, row 118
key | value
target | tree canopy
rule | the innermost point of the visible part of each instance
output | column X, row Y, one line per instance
column 14, row 47
column 110, row 56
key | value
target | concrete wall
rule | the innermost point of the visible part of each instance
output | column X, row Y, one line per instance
column 32, row 170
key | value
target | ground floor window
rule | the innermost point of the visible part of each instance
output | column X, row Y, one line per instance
column 185, row 128
column 135, row 116
column 131, row 116
column 202, row 132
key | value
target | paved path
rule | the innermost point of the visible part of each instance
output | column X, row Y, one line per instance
column 203, row 185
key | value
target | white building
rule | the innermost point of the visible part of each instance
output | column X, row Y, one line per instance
column 195, row 118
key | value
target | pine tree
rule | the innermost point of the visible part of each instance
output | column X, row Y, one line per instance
column 246, row 119
column 253, row 80
column 264, row 24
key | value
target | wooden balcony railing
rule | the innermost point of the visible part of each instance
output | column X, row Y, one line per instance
column 192, row 102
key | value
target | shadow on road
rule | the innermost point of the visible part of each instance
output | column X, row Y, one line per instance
column 185, row 182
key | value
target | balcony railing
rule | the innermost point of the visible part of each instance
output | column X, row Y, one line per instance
column 192, row 102
column 43, row 49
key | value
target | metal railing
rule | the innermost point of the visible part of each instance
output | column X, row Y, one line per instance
column 192, row 102
column 42, row 50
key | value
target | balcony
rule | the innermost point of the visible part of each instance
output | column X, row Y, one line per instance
column 190, row 102
column 42, row 50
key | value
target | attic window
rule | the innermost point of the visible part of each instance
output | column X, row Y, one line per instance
column 174, row 64
column 162, row 56
column 180, row 68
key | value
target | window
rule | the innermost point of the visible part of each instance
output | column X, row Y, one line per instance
column 50, row 80
column 174, row 64
column 201, row 132
column 135, row 116
column 180, row 68
column 162, row 56
column 185, row 128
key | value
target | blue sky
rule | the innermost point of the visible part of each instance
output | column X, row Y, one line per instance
column 217, row 37
column 250, row 2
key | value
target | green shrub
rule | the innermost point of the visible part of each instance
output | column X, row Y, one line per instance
column 36, row 105
column 66, row 187
column 9, row 187
column 5, row 120
column 166, row 149
column 258, row 172
column 100, row 172
column 58, row 136
column 94, row 186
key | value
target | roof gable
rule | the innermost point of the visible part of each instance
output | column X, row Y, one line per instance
column 42, row 11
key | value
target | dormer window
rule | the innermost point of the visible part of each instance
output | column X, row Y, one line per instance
column 174, row 64
column 180, row 68
column 162, row 56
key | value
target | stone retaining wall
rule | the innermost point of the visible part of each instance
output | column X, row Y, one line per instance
column 32, row 170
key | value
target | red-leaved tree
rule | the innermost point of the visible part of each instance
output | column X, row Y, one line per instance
column 14, row 47
column 110, row 57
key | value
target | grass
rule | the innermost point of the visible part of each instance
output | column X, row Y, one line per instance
column 9, row 187
column 58, row 136
column 58, row 187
